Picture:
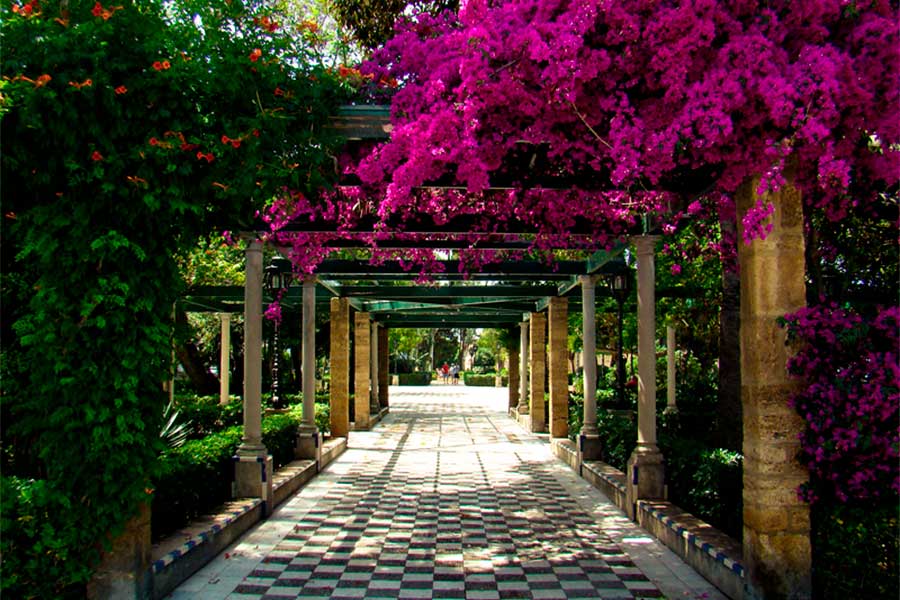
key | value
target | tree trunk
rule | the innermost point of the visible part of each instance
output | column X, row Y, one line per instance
column 191, row 358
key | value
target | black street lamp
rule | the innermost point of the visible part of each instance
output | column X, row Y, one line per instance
column 276, row 279
column 620, row 286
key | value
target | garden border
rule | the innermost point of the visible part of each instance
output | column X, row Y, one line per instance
column 170, row 568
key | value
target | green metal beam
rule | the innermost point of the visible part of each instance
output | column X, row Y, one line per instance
column 460, row 291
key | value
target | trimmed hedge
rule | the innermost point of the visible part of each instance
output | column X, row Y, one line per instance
column 417, row 378
column 195, row 478
column 485, row 380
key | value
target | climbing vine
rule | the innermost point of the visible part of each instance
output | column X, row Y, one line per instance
column 130, row 130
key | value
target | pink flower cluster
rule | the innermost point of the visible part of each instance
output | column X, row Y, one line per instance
column 850, row 401
column 684, row 98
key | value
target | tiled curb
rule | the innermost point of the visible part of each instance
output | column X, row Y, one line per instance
column 211, row 534
column 710, row 552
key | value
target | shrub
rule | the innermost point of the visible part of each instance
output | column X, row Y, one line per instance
column 417, row 378
column 855, row 550
column 484, row 380
column 618, row 437
column 195, row 478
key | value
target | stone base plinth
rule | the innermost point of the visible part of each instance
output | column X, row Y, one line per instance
column 253, row 479
column 123, row 571
column 589, row 447
column 309, row 444
column 645, row 478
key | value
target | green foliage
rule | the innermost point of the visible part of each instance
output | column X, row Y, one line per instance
column 195, row 478
column 418, row 378
column 372, row 21
column 483, row 380
column 618, row 436
column 130, row 134
column 856, row 550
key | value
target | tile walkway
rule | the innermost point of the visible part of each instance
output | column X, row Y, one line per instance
column 447, row 498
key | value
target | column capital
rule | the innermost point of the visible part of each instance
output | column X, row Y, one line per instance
column 586, row 280
column 644, row 244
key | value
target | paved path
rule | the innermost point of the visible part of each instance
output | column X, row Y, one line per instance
column 447, row 498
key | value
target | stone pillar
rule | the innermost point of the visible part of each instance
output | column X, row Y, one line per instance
column 776, row 539
column 645, row 467
column 253, row 466
column 308, row 446
column 513, row 379
column 362, row 350
column 558, row 359
column 340, row 367
column 524, row 352
column 225, row 358
column 123, row 571
column 538, row 360
column 589, row 440
column 384, row 364
column 374, row 408
column 670, row 370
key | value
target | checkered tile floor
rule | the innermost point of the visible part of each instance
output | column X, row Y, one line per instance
column 445, row 499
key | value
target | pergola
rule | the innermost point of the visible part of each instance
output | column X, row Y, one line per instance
column 537, row 297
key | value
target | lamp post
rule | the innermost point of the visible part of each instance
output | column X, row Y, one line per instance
column 276, row 279
column 619, row 286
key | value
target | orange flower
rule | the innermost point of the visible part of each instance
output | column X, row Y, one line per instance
column 96, row 156
column 140, row 181
column 225, row 139
column 161, row 66
column 221, row 186
column 42, row 80
column 121, row 90
column 254, row 56
column 86, row 83
column 166, row 64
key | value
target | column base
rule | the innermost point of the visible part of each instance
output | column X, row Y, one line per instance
column 309, row 444
column 522, row 409
column 645, row 478
column 589, row 447
column 253, row 479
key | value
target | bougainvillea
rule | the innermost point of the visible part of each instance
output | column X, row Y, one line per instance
column 681, row 98
column 850, row 401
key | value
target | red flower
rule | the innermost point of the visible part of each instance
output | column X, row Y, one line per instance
column 226, row 139
column 121, row 90
column 154, row 141
column 96, row 156
column 254, row 56
column 208, row 156
column 256, row 133
column 157, row 65
column 97, row 10
column 161, row 66
column 235, row 143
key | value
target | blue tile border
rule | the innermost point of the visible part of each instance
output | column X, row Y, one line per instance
column 716, row 553
column 201, row 538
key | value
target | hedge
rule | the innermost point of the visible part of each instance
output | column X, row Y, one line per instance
column 485, row 380
column 417, row 378
column 196, row 477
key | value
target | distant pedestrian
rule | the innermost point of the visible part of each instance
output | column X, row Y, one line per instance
column 454, row 372
column 445, row 372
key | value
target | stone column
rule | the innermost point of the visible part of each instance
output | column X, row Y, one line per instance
column 308, row 446
column 776, row 539
column 513, row 379
column 362, row 349
column 384, row 358
column 589, row 441
column 374, row 408
column 538, row 360
column 645, row 467
column 558, row 358
column 340, row 367
column 225, row 358
column 524, row 352
column 670, row 370
column 253, row 466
